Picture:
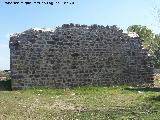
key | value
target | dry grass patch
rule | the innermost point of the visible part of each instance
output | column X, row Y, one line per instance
column 85, row 103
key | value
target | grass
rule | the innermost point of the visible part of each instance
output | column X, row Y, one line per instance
column 84, row 103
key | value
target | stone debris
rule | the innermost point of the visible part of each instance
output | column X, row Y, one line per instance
column 78, row 55
column 140, row 92
column 133, row 34
column 44, row 29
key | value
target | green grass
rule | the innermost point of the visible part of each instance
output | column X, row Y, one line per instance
column 84, row 103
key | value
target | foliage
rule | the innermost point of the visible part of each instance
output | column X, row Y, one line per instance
column 5, row 74
column 2, row 73
column 157, row 56
column 151, row 41
column 144, row 33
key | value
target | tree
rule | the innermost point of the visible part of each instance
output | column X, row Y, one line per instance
column 150, row 41
column 143, row 32
column 157, row 51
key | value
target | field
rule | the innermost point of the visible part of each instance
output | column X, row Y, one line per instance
column 84, row 103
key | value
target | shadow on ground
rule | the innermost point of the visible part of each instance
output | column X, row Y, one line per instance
column 155, row 98
column 5, row 85
column 144, row 89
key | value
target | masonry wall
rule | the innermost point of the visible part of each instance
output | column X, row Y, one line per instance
column 78, row 55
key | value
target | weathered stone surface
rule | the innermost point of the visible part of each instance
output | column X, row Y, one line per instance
column 77, row 55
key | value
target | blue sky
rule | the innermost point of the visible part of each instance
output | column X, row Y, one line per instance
column 123, row 13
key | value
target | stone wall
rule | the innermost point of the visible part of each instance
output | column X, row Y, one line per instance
column 78, row 55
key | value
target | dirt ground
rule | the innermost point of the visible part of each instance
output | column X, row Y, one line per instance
column 157, row 80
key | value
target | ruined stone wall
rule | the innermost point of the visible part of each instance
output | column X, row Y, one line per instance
column 78, row 55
